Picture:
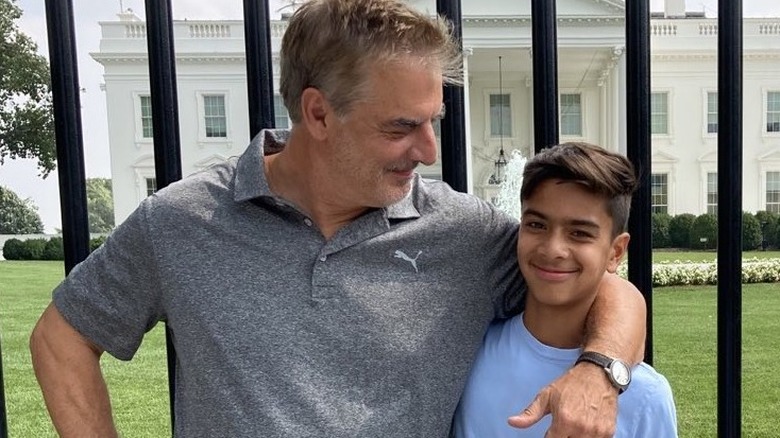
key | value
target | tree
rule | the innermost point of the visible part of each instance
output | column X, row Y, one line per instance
column 17, row 215
column 680, row 230
column 660, row 233
column 751, row 232
column 100, row 205
column 704, row 232
column 26, row 120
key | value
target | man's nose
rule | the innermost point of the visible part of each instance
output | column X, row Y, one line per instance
column 424, row 149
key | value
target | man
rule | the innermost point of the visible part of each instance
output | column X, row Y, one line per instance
column 317, row 286
column 575, row 203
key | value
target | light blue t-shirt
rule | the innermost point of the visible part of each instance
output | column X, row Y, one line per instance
column 512, row 367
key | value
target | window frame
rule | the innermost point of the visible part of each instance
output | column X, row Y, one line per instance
column 766, row 191
column 138, row 131
column 669, row 118
column 201, row 105
column 581, row 95
column 666, row 194
column 706, row 113
column 765, row 113
column 513, row 102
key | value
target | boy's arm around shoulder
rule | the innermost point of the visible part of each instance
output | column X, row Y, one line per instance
column 583, row 402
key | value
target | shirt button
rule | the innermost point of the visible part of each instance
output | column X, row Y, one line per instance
column 323, row 258
column 307, row 221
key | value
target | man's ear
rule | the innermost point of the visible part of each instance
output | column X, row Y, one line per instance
column 619, row 246
column 314, row 112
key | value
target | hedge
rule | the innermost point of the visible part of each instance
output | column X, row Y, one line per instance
column 41, row 249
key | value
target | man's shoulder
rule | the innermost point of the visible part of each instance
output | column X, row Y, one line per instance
column 437, row 197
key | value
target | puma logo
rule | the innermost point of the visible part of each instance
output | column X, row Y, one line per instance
column 401, row 255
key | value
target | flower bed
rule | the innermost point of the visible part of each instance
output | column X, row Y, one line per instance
column 677, row 273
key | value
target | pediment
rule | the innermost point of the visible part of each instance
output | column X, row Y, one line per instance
column 210, row 161
column 146, row 160
column 663, row 157
column 513, row 8
column 709, row 157
column 772, row 155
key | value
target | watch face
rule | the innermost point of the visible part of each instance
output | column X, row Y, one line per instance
column 620, row 373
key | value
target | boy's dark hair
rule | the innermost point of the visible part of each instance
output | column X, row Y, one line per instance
column 603, row 172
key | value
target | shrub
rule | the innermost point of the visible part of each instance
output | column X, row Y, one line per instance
column 13, row 249
column 660, row 225
column 751, row 232
column 54, row 249
column 704, row 232
column 680, row 230
column 35, row 248
column 769, row 222
column 95, row 242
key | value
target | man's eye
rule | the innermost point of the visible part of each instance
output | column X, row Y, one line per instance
column 535, row 225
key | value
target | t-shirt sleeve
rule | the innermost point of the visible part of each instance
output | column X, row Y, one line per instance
column 503, row 273
column 113, row 297
column 657, row 417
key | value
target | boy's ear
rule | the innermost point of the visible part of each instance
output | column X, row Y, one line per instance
column 619, row 246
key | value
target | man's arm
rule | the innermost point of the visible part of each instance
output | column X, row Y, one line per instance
column 583, row 402
column 68, row 370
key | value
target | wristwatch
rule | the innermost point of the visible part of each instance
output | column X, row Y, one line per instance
column 618, row 372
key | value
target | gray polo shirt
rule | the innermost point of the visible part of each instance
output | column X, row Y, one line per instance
column 281, row 333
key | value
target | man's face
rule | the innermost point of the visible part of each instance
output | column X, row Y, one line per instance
column 374, row 149
column 565, row 244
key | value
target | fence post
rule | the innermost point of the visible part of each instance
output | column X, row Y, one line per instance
column 259, row 66
column 729, row 218
column 545, row 65
column 453, row 126
column 165, row 123
column 638, row 148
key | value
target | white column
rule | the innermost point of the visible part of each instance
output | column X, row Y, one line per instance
column 622, row 105
column 605, row 114
column 467, row 52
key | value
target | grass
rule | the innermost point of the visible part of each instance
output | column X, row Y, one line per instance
column 138, row 388
column 684, row 337
column 685, row 351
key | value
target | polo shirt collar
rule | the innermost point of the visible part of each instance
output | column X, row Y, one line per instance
column 250, row 171
column 250, row 182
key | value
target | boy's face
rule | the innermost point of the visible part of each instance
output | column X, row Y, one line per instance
column 565, row 244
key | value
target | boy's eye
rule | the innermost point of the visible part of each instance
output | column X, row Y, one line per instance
column 582, row 234
column 534, row 225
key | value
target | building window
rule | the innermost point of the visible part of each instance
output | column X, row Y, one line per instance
column 712, row 193
column 215, row 118
column 773, row 192
column 500, row 115
column 151, row 186
column 659, row 194
column 146, row 117
column 571, row 114
column 773, row 111
column 281, row 116
column 712, row 112
column 659, row 113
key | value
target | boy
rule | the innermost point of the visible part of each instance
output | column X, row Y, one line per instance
column 575, row 203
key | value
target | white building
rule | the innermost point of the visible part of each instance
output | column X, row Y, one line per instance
column 592, row 82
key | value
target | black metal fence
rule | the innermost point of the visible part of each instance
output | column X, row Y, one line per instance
column 260, row 89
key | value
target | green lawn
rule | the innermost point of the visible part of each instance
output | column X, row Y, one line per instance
column 138, row 388
column 685, row 351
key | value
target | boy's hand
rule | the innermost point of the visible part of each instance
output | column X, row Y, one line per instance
column 582, row 402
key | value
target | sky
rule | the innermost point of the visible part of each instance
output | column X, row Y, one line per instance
column 22, row 176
